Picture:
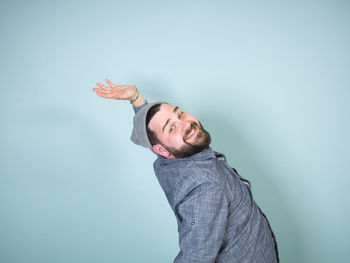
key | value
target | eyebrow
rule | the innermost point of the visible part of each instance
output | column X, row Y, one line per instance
column 168, row 120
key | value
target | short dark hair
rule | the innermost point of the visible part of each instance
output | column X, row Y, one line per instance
column 152, row 135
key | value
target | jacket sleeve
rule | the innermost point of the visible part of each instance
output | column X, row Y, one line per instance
column 138, row 108
column 202, row 221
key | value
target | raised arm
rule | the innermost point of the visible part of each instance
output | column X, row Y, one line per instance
column 119, row 92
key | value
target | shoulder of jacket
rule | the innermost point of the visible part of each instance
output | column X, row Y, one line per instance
column 189, row 178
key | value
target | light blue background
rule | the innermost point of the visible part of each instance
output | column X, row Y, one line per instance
column 268, row 79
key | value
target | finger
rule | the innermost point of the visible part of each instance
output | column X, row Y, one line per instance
column 96, row 90
column 102, row 91
column 104, row 95
column 102, row 86
column 109, row 96
column 110, row 83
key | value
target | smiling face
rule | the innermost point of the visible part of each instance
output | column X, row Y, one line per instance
column 181, row 135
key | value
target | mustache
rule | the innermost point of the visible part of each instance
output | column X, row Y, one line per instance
column 193, row 124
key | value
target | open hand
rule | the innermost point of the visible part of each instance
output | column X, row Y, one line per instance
column 117, row 92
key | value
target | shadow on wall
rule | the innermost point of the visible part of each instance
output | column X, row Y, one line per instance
column 229, row 139
column 64, row 187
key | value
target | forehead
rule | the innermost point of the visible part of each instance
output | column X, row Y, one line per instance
column 166, row 108
column 159, row 119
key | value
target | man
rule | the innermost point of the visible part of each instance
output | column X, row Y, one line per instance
column 218, row 220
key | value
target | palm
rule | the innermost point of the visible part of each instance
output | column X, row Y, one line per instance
column 113, row 91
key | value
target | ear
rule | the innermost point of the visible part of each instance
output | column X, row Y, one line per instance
column 159, row 149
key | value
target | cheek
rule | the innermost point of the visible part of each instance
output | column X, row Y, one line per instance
column 174, row 141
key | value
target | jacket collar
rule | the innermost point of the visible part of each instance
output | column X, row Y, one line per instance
column 207, row 154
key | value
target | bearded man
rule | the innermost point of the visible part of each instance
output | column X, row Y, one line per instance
column 218, row 219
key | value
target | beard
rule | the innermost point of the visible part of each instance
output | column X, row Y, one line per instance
column 200, row 143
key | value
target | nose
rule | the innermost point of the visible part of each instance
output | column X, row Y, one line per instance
column 186, row 125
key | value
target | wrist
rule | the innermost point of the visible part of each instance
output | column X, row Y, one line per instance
column 135, row 97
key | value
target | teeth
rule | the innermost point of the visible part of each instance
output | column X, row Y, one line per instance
column 191, row 133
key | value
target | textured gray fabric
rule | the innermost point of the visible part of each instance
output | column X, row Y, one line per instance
column 139, row 133
column 218, row 219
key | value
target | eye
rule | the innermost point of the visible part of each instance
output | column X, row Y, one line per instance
column 181, row 114
column 171, row 129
